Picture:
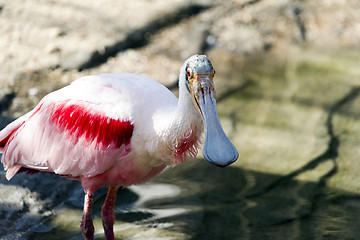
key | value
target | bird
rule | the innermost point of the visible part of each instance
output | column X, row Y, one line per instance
column 118, row 129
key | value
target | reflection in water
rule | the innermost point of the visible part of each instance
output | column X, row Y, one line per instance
column 150, row 192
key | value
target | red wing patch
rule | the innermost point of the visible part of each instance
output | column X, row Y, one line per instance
column 79, row 120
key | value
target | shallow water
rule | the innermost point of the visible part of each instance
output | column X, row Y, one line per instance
column 200, row 201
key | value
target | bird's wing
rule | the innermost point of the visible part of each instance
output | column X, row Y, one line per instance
column 73, row 136
column 8, row 131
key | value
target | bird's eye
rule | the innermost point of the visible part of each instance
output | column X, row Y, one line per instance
column 188, row 73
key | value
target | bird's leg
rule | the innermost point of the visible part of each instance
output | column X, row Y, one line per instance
column 107, row 213
column 86, row 224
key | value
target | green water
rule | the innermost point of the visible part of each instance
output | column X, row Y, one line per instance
column 294, row 119
column 198, row 201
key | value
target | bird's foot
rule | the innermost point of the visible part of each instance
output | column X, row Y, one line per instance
column 87, row 228
column 108, row 219
column 109, row 232
column 107, row 213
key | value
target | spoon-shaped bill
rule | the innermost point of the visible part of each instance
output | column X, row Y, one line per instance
column 217, row 147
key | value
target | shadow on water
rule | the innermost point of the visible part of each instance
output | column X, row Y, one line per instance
column 193, row 201
column 291, row 210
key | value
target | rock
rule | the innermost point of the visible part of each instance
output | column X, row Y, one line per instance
column 20, row 209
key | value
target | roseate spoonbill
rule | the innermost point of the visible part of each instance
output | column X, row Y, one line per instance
column 113, row 130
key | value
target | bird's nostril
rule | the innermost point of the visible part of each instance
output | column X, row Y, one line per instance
column 204, row 88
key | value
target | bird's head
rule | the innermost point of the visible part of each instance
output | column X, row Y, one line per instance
column 198, row 74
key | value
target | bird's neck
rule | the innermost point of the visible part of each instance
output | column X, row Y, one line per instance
column 187, row 126
column 186, row 111
column 179, row 130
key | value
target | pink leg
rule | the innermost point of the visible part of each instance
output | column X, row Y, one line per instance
column 86, row 224
column 107, row 213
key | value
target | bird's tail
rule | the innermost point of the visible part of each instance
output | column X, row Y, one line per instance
column 4, row 138
column 6, row 134
column 9, row 130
